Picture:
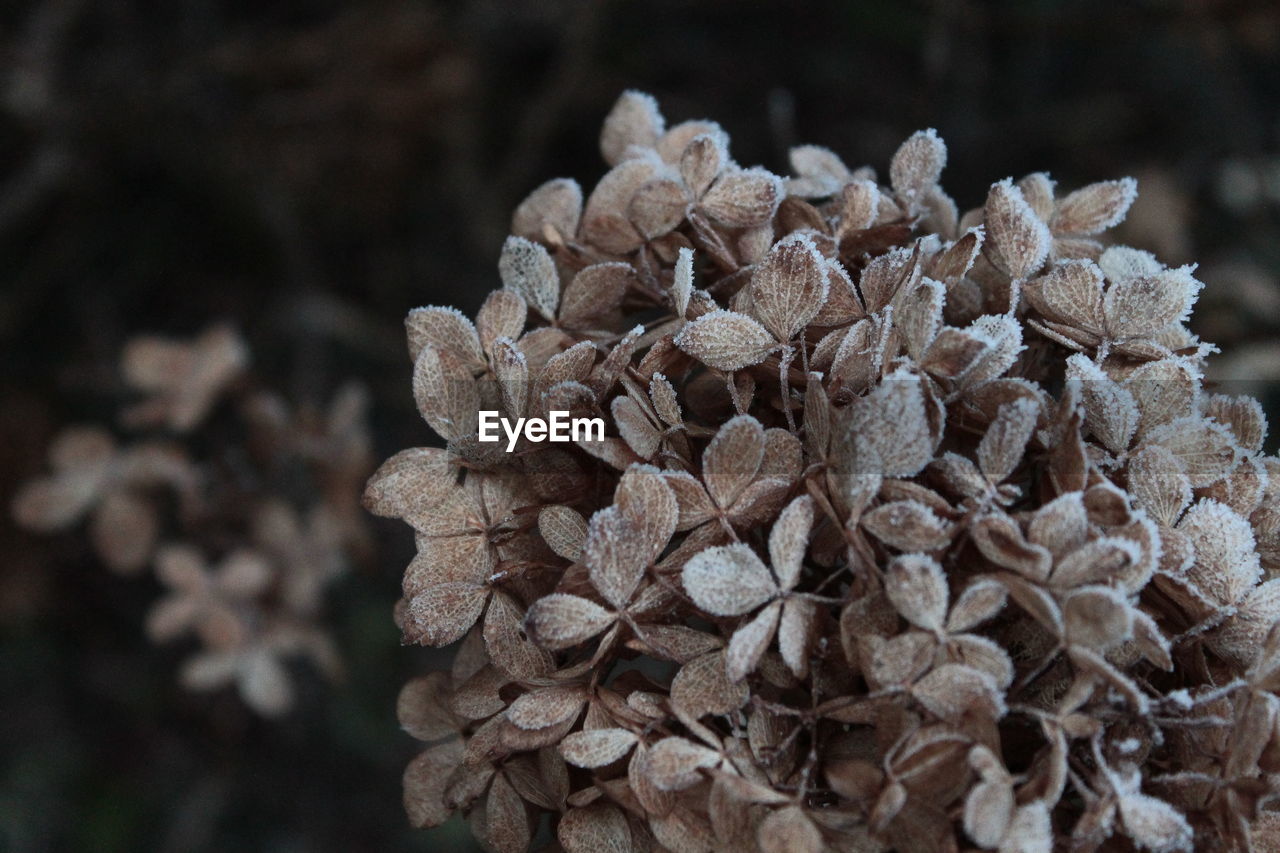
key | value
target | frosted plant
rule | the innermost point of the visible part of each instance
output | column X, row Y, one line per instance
column 911, row 529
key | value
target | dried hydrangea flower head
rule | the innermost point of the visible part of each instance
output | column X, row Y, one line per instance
column 910, row 530
column 246, row 562
column 91, row 475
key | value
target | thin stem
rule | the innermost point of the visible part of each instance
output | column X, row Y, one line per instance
column 784, row 382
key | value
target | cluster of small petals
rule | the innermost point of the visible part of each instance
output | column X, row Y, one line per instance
column 257, row 603
column 911, row 529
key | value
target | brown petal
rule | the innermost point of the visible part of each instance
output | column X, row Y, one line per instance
column 888, row 431
column 726, row 340
column 597, row 827
column 981, row 600
column 664, row 399
column 702, row 687
column 1030, row 831
column 423, row 707
column 636, row 427
column 1071, row 294
column 448, row 559
column 564, row 531
column 556, row 205
column 597, row 747
column 695, row 505
column 616, row 553
column 701, row 162
column 446, row 394
column 789, row 286
column 676, row 642
column 1226, row 562
column 1244, row 416
column 1164, row 390
column 821, row 171
column 1154, row 824
column 634, row 121
column 789, row 830
column 558, row 621
column 1243, row 635
column 859, row 203
column 795, row 633
column 509, row 647
column 953, row 351
column 447, row 330
column 1001, row 541
column 907, row 526
column 951, row 690
column 1110, row 411
column 917, row 164
column 988, row 810
column 595, row 291
column 605, row 224
column 728, row 580
column 527, row 269
column 1151, row 641
column 884, row 275
column 1206, row 450
column 658, row 207
column 749, row 642
column 511, row 369
column 650, row 506
column 506, row 821
column 1038, row 189
column 547, row 707
column 1097, row 617
column 789, row 540
column 1060, row 525
column 980, row 653
column 1095, row 208
column 732, row 459
column 918, row 589
column 918, row 314
column 502, row 315
column 957, row 259
column 441, row 614
column 743, row 198
column 1018, row 239
column 1037, row 602
column 1144, row 305
column 682, row 283
column 1006, row 438
column 673, row 763
column 424, row 783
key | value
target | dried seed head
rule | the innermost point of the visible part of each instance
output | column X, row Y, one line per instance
column 846, row 534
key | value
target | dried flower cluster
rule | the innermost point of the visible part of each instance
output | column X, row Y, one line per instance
column 911, row 531
column 244, row 561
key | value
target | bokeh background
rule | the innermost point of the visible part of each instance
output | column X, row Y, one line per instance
column 310, row 171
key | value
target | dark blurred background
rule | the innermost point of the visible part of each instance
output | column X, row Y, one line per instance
column 312, row 170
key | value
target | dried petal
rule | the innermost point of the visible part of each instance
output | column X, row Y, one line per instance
column 726, row 340
column 728, row 580
column 917, row 164
column 1018, row 239
column 558, row 621
column 918, row 589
